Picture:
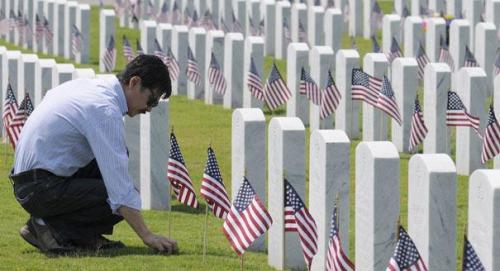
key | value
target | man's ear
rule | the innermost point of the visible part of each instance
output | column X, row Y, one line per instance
column 134, row 81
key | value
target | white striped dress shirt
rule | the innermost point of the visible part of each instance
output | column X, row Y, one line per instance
column 76, row 122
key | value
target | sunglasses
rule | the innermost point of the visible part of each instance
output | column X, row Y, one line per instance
column 153, row 100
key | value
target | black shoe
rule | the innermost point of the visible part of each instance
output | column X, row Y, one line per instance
column 45, row 239
column 28, row 236
column 97, row 243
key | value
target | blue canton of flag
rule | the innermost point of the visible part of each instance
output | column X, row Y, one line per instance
column 308, row 87
column 213, row 189
column 470, row 60
column 456, row 114
column 387, row 102
column 276, row 92
column 491, row 140
column 406, row 256
column 336, row 259
column 216, row 77
column 418, row 129
column 365, row 87
column 254, row 82
column 470, row 260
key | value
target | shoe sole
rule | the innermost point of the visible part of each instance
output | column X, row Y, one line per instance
column 30, row 239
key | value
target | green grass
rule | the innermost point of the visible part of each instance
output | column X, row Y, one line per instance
column 196, row 126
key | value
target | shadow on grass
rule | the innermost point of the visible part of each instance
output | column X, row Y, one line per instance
column 186, row 209
column 108, row 253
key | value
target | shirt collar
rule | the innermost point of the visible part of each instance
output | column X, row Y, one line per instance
column 122, row 102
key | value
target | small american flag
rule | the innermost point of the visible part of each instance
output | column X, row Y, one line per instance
column 406, row 256
column 163, row 15
column 405, row 13
column 308, row 87
column 194, row 19
column 444, row 54
column 178, row 175
column 254, row 29
column 330, row 4
column 76, row 40
column 254, row 82
column 20, row 26
column 213, row 189
column 176, row 14
column 187, row 17
column 302, row 33
column 422, row 60
column 28, row 31
column 9, row 112
column 376, row 46
column 387, row 102
column 286, row 32
column 456, row 114
column 172, row 64
column 276, row 92
column 346, row 12
column 496, row 68
column 39, row 29
column 138, row 47
column 470, row 260
column 331, row 98
column 395, row 51
column 216, row 77
column 223, row 26
column 236, row 24
column 298, row 219
column 491, row 140
column 247, row 220
column 207, row 21
column 109, row 55
column 336, row 260
column 193, row 74
column 354, row 45
column 262, row 27
column 365, row 87
column 418, row 129
column 377, row 16
column 49, row 35
column 127, row 50
column 19, row 119
column 424, row 11
column 469, row 59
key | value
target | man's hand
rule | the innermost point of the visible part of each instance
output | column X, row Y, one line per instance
column 160, row 243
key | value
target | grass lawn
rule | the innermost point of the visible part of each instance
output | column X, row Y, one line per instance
column 196, row 125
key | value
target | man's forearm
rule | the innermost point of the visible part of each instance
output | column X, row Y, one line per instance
column 135, row 220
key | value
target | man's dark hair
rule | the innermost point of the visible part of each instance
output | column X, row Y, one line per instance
column 152, row 71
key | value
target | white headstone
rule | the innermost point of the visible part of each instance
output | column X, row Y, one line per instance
column 215, row 7
column 298, row 57
column 285, row 157
column 59, row 18
column 26, row 75
column 30, row 9
column 321, row 60
column 355, row 18
column 48, row 10
column 270, row 25
column 3, row 79
column 254, row 14
column 392, row 29
column 254, row 47
column 240, row 7
column 437, row 6
column 454, row 7
column 473, row 10
column 413, row 35
column 298, row 13
column 63, row 73
column 179, row 49
column 83, row 23
column 13, row 70
column 282, row 16
column 374, row 120
column 328, row 180
column 377, row 204
column 404, row 83
column 437, row 81
column 316, row 25
column 233, row 70
column 198, row 44
column 471, row 87
column 484, row 217
column 493, row 12
column 346, row 115
column 84, row 73
column 496, row 104
column 40, row 12
column 485, row 52
column 43, row 78
column 106, row 31
column 133, row 141
column 148, row 36
column 334, row 28
column 436, row 28
column 367, row 19
column 69, row 21
column 248, row 155
column 432, row 211
column 215, row 44
column 459, row 38
column 154, row 157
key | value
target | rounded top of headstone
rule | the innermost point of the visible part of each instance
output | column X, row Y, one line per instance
column 249, row 114
column 283, row 3
column 197, row 30
column 436, row 20
column 334, row 11
column 84, row 6
column 84, row 73
column 377, row 149
column 437, row 67
column 298, row 46
column 29, row 57
column 46, row 62
column 414, row 19
column 391, row 17
column 181, row 28
column 489, row 176
column 65, row 67
column 333, row 136
column 234, row 36
column 72, row 4
column 149, row 23
column 255, row 1
column 287, row 123
column 270, row 2
column 254, row 39
column 61, row 2
column 299, row 6
column 317, row 9
column 434, row 162
column 459, row 23
column 13, row 54
column 375, row 57
column 108, row 12
column 215, row 33
column 485, row 26
column 322, row 50
column 348, row 53
column 3, row 49
column 165, row 26
column 404, row 61
column 471, row 72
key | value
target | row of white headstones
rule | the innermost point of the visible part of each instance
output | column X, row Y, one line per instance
column 61, row 16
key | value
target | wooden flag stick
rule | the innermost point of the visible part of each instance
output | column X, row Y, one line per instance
column 170, row 211
column 242, row 262
column 205, row 234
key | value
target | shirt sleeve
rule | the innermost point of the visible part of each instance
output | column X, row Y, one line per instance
column 106, row 135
